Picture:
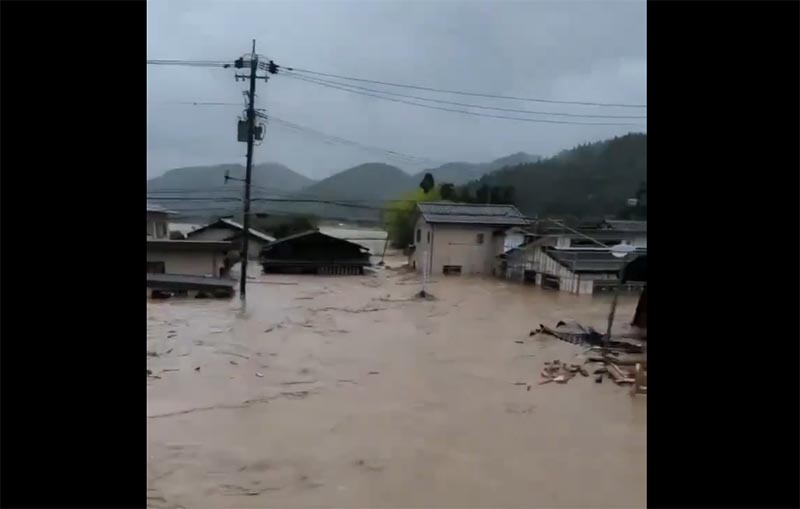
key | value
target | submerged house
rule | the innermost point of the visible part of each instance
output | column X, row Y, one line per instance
column 225, row 229
column 575, row 261
column 313, row 252
column 460, row 238
column 582, row 271
column 188, row 257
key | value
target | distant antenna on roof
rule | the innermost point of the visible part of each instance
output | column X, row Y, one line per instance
column 622, row 250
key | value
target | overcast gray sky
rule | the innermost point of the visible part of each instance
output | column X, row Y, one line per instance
column 568, row 50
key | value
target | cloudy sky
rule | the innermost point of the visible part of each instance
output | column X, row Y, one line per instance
column 567, row 50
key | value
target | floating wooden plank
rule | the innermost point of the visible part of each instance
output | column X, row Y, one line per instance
column 618, row 375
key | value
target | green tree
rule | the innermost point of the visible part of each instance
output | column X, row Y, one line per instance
column 448, row 191
column 401, row 216
column 427, row 183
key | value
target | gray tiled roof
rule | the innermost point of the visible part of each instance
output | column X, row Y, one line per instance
column 224, row 221
column 592, row 260
column 253, row 231
column 153, row 207
column 462, row 213
column 315, row 231
column 627, row 226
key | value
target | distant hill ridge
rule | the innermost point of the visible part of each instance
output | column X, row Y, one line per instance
column 588, row 179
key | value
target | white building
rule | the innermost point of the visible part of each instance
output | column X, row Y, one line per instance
column 228, row 230
column 189, row 257
column 157, row 221
column 461, row 238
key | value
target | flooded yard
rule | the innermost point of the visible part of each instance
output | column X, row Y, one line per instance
column 347, row 392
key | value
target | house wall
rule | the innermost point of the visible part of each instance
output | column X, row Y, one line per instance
column 517, row 263
column 513, row 240
column 563, row 241
column 457, row 245
column 157, row 225
column 639, row 241
column 421, row 247
column 198, row 263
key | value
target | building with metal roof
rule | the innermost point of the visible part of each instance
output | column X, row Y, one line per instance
column 316, row 253
column 227, row 229
column 445, row 212
column 626, row 226
column 582, row 270
column 584, row 261
column 462, row 238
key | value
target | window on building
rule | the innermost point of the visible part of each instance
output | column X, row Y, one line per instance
column 480, row 238
column 429, row 237
column 419, row 235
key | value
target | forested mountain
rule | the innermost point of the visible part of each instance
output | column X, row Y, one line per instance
column 589, row 180
column 592, row 179
column 462, row 173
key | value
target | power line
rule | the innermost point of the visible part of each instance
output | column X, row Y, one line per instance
column 337, row 139
column 466, row 112
column 460, row 92
column 468, row 105
column 191, row 63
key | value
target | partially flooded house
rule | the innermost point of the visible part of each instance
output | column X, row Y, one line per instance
column 574, row 260
column 192, row 257
column 581, row 271
column 313, row 252
column 460, row 238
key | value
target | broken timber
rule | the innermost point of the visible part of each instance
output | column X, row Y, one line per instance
column 579, row 335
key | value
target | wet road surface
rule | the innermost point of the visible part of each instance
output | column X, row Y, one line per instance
column 346, row 392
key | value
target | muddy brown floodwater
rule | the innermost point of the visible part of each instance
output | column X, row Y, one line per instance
column 342, row 392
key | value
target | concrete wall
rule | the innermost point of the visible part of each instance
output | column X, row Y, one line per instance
column 422, row 231
column 157, row 225
column 456, row 245
column 197, row 263
column 513, row 240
